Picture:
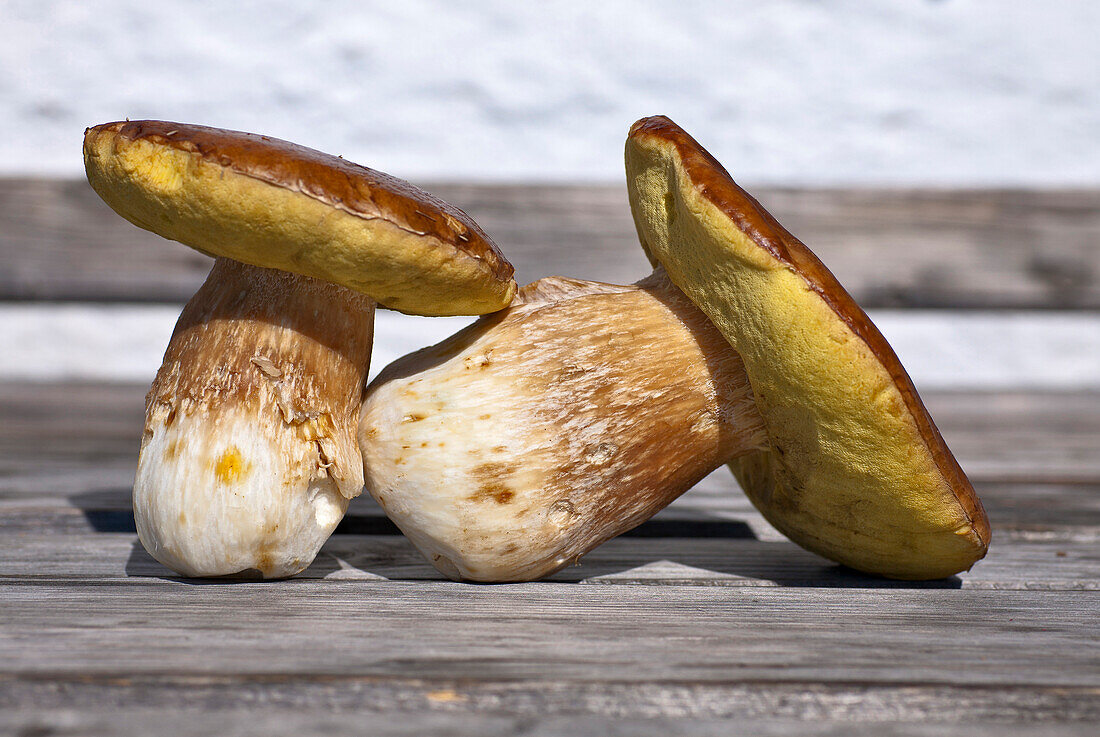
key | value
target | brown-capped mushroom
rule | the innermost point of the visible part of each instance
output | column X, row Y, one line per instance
column 249, row 455
column 527, row 439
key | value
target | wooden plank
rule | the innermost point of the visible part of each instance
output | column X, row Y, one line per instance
column 94, row 720
column 90, row 498
column 1015, row 562
column 354, row 706
column 547, row 632
column 715, row 508
column 728, row 627
column 69, row 452
column 1011, row 436
column 67, row 456
column 947, row 248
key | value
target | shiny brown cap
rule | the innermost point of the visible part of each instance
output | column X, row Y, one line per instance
column 271, row 203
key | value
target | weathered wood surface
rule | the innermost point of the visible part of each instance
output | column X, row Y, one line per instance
column 950, row 248
column 77, row 438
column 1055, row 435
column 1016, row 562
column 702, row 621
column 430, row 719
column 552, row 632
column 934, row 656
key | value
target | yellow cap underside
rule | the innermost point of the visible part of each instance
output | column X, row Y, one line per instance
column 849, row 475
column 181, row 196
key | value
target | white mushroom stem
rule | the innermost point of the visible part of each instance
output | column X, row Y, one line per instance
column 517, row 445
column 249, row 456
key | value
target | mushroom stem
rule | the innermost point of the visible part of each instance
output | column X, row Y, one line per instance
column 249, row 455
column 522, row 442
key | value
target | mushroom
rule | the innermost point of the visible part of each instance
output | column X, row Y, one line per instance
column 525, row 440
column 520, row 443
column 855, row 469
column 249, row 456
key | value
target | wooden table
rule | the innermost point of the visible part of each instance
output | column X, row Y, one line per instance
column 702, row 621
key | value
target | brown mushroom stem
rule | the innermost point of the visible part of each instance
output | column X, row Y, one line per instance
column 522, row 442
column 249, row 455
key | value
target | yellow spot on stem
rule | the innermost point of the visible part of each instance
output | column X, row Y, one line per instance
column 230, row 466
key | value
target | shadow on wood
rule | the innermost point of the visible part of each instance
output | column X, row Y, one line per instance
column 665, row 562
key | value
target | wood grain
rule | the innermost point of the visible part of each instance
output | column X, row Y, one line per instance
column 281, row 705
column 1011, row 436
column 1016, row 563
column 550, row 631
column 186, row 707
column 890, row 248
column 1032, row 456
column 703, row 621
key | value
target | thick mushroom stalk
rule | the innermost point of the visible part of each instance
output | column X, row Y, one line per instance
column 249, row 455
column 522, row 442
column 591, row 418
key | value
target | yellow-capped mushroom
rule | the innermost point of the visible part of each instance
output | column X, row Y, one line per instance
column 249, row 456
column 522, row 442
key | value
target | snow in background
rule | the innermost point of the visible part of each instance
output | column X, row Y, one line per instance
column 907, row 92
column 940, row 350
column 971, row 92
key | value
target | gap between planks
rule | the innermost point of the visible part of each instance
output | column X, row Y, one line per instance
column 1008, row 350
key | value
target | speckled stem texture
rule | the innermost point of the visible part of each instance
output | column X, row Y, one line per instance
column 249, row 455
column 519, row 444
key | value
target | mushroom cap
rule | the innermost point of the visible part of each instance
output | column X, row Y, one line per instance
column 856, row 470
column 271, row 203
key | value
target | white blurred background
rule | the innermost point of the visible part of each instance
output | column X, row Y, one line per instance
column 950, row 92
column 956, row 93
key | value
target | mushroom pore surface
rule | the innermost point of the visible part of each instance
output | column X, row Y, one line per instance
column 249, row 453
column 855, row 469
